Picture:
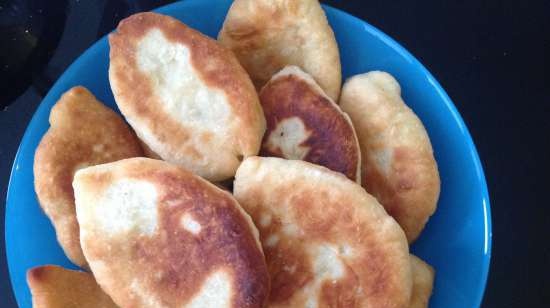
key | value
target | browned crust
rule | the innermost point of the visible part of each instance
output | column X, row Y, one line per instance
column 173, row 263
column 328, row 210
column 267, row 35
column 332, row 141
column 216, row 65
column 407, row 183
column 78, row 123
column 423, row 283
column 54, row 287
column 332, row 224
column 410, row 190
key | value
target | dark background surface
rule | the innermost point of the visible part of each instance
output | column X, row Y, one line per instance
column 492, row 58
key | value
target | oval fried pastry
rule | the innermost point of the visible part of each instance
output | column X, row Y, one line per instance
column 398, row 166
column 267, row 35
column 56, row 287
column 83, row 132
column 303, row 123
column 327, row 242
column 188, row 99
column 423, row 282
column 156, row 235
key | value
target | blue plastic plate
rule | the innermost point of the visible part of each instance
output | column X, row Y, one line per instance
column 456, row 241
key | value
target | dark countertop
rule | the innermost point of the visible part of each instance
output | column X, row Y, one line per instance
column 488, row 55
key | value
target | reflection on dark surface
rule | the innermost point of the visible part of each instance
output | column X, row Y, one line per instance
column 29, row 34
column 33, row 31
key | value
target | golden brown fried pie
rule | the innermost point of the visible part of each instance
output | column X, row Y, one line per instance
column 188, row 99
column 56, row 287
column 423, row 281
column 327, row 242
column 156, row 235
column 303, row 123
column 398, row 165
column 267, row 35
column 83, row 132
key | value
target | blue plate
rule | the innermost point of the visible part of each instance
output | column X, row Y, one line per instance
column 457, row 239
